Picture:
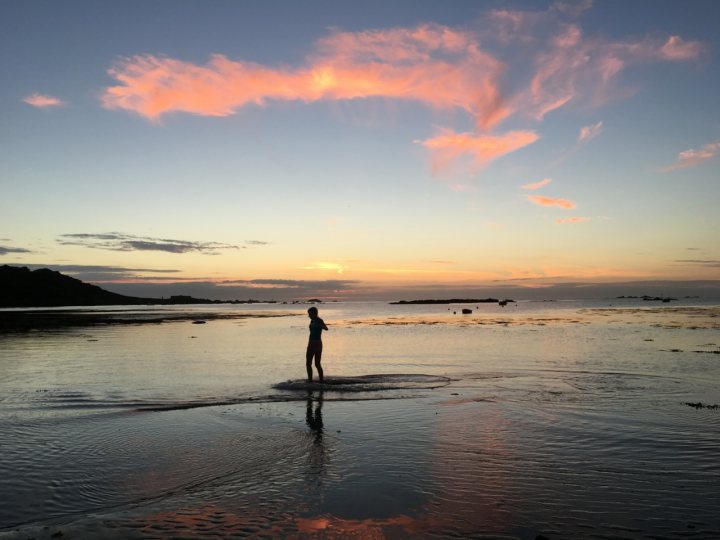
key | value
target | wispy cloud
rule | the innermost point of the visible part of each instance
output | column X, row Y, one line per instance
column 676, row 48
column 590, row 132
column 4, row 250
column 710, row 263
column 537, row 185
column 693, row 157
column 43, row 101
column 114, row 241
column 579, row 69
column 331, row 266
column 448, row 146
column 482, row 73
column 436, row 65
column 577, row 219
column 551, row 201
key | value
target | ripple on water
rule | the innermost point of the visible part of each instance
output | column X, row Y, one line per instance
column 624, row 455
column 96, row 464
column 368, row 383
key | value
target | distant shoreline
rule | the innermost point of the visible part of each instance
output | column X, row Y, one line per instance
column 452, row 301
column 23, row 321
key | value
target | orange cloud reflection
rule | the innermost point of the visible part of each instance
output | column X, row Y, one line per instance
column 336, row 527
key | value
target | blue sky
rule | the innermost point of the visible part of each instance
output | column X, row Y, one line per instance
column 364, row 150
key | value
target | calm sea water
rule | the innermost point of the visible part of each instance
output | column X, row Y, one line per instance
column 568, row 419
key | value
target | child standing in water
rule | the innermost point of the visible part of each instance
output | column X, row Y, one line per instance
column 314, row 348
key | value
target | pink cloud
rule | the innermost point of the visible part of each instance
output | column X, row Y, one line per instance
column 692, row 157
column 439, row 66
column 577, row 219
column 551, row 201
column 555, row 81
column 675, row 48
column 432, row 64
column 444, row 68
column 537, row 185
column 42, row 101
column 579, row 69
column 590, row 132
column 448, row 146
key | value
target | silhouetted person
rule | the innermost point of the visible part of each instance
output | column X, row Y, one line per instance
column 315, row 346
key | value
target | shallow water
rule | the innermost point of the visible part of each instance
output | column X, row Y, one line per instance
column 565, row 420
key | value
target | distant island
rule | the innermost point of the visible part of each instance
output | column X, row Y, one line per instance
column 647, row 298
column 454, row 301
column 22, row 287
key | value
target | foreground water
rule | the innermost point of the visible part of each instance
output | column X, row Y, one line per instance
column 563, row 419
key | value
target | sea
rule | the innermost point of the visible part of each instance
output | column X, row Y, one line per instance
column 540, row 419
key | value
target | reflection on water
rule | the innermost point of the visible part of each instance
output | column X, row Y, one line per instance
column 510, row 468
column 313, row 416
column 537, row 425
column 335, row 527
column 318, row 458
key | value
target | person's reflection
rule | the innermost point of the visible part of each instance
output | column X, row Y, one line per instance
column 317, row 458
column 313, row 416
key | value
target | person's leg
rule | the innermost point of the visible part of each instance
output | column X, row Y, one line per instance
column 318, row 357
column 308, row 363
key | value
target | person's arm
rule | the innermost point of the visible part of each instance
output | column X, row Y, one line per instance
column 324, row 325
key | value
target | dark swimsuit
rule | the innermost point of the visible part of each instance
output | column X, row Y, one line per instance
column 316, row 328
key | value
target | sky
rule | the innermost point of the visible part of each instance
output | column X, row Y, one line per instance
column 363, row 150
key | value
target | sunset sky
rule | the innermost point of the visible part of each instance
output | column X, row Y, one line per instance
column 235, row 149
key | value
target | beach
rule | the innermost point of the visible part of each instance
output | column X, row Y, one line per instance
column 540, row 419
column 505, row 211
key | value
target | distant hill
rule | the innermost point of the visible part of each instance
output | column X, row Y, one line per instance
column 22, row 287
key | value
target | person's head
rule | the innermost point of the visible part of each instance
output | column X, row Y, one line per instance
column 312, row 312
